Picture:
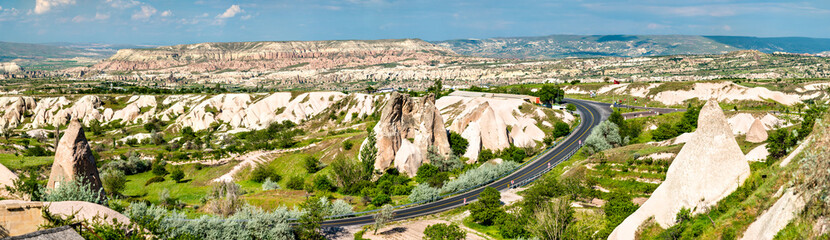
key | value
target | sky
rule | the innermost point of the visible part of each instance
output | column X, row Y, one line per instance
column 167, row 22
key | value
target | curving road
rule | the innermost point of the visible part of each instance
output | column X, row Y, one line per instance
column 592, row 114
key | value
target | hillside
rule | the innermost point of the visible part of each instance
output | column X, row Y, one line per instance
column 11, row 51
column 564, row 46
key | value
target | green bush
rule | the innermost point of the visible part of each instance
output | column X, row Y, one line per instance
column 158, row 169
column 113, row 181
column 322, row 183
column 131, row 165
column 270, row 185
column 561, row 129
column 177, row 175
column 485, row 155
column 154, row 179
column 425, row 172
column 442, row 231
column 37, row 151
column 458, row 144
column 262, row 172
column 296, row 183
column 487, row 208
column 347, row 145
column 381, row 199
column 571, row 107
column 312, row 164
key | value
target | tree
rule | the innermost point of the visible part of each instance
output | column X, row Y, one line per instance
column 347, row 145
column 488, row 207
column 262, row 172
column 561, row 129
column 177, row 175
column 618, row 207
column 436, row 88
column 381, row 199
column 604, row 136
column 158, row 168
column 369, row 153
column 442, row 231
column 664, row 131
column 26, row 186
column 312, row 164
column 296, row 183
column 571, row 107
column 444, row 164
column 113, row 181
column 322, row 183
column 384, row 216
column 552, row 218
column 425, row 172
column 551, row 94
column 458, row 144
column 310, row 222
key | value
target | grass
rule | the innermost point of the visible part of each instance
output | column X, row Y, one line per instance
column 195, row 185
column 13, row 162
column 490, row 231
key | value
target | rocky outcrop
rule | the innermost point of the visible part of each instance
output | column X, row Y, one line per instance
column 407, row 127
column 757, row 133
column 74, row 159
column 767, row 225
column 7, row 178
column 494, row 123
column 708, row 168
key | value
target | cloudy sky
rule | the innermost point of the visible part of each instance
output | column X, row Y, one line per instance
column 190, row 21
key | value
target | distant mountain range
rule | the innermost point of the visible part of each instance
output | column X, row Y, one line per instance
column 563, row 46
column 10, row 51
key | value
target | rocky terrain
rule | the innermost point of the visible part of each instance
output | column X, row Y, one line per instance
column 708, row 168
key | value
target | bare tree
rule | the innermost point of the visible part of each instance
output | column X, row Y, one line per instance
column 384, row 216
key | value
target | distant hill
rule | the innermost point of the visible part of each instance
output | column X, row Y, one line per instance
column 564, row 46
column 36, row 52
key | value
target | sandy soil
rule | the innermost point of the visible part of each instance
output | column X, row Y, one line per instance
column 411, row 230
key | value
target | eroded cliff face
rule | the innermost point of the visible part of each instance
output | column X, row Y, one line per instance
column 407, row 128
column 272, row 55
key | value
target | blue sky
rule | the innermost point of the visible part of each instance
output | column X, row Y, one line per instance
column 190, row 21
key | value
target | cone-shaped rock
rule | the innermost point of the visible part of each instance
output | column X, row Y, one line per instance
column 757, row 133
column 708, row 168
column 73, row 159
column 419, row 124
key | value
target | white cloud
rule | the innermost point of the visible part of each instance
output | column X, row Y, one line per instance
column 7, row 14
column 231, row 12
column 123, row 4
column 246, row 17
column 79, row 18
column 102, row 16
column 43, row 6
column 146, row 12
column 166, row 13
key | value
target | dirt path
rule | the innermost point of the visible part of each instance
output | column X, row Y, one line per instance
column 249, row 159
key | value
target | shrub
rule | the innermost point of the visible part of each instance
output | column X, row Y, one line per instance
column 477, row 176
column 444, row 164
column 425, row 172
column 270, row 185
column 296, row 183
column 37, row 151
column 130, row 166
column 442, row 231
column 664, row 131
column 347, row 145
column 381, row 199
column 262, row 172
column 618, row 208
column 177, row 175
column 485, row 155
column 458, row 144
column 224, row 199
column 571, row 107
column 322, row 183
column 248, row 223
column 312, row 164
column 154, row 179
column 339, row 208
column 75, row 190
column 26, row 185
column 113, row 181
column 604, row 136
column 423, row 192
column 487, row 208
column 158, row 169
column 561, row 129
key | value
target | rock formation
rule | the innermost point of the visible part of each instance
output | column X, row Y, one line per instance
column 7, row 178
column 407, row 127
column 769, row 223
column 493, row 123
column 757, row 133
column 73, row 159
column 708, row 168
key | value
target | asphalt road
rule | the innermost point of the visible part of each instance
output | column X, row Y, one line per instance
column 592, row 114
